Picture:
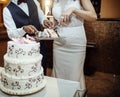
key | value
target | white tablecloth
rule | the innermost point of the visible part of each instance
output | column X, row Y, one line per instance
column 54, row 88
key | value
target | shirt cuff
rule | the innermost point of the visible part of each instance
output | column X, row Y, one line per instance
column 21, row 31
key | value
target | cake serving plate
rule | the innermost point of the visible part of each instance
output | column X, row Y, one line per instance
column 46, row 38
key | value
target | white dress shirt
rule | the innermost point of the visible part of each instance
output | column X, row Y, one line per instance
column 12, row 30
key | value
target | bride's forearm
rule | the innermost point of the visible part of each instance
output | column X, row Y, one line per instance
column 86, row 15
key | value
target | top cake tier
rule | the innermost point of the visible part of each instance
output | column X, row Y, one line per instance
column 20, row 51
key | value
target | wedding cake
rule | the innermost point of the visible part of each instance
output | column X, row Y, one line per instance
column 22, row 73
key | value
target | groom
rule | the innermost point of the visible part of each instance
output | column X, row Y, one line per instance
column 23, row 17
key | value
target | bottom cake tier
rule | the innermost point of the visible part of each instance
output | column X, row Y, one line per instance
column 22, row 86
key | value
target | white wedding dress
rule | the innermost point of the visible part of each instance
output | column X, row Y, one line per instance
column 69, row 52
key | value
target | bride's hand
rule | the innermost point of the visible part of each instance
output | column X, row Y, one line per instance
column 65, row 17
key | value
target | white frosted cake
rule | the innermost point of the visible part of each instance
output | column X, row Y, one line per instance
column 22, row 73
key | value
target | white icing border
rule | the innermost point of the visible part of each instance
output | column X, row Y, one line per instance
column 22, row 61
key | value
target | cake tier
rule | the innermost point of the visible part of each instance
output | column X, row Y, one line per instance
column 22, row 67
column 21, row 51
column 22, row 86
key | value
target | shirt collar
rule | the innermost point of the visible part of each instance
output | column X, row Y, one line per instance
column 14, row 1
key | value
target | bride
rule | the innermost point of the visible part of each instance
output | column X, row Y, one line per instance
column 68, row 57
